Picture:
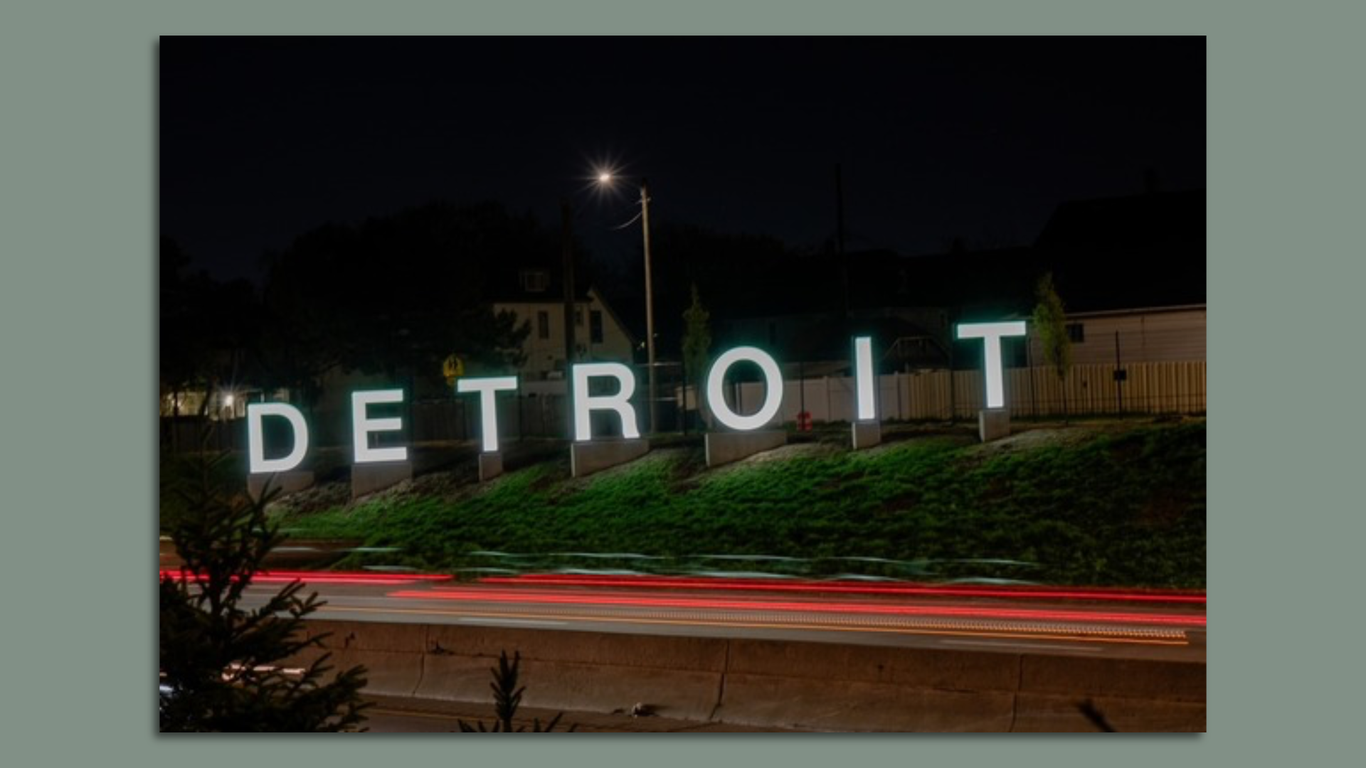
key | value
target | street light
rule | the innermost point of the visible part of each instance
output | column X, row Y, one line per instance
column 606, row 177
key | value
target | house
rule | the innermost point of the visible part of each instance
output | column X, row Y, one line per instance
column 533, row 293
column 1131, row 273
column 1139, row 335
column 537, row 297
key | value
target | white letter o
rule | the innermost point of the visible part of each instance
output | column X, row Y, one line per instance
column 773, row 394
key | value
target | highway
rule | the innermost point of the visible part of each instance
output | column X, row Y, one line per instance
column 1064, row 621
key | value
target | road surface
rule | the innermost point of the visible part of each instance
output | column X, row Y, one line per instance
column 1080, row 622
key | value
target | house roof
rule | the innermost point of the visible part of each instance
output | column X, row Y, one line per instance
column 631, row 336
column 512, row 283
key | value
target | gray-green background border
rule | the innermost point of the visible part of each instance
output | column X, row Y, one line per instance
column 78, row 226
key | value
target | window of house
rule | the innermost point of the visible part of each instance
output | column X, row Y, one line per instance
column 535, row 280
column 1076, row 333
column 543, row 325
column 595, row 326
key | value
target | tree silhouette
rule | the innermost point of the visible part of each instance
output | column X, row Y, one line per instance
column 741, row 275
column 507, row 698
column 1050, row 325
column 397, row 294
column 206, row 327
column 696, row 342
column 224, row 667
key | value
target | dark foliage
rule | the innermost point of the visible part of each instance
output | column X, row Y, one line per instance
column 206, row 327
column 396, row 294
column 226, row 668
column 741, row 275
column 507, row 697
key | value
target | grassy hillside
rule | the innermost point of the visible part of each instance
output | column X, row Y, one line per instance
column 1101, row 504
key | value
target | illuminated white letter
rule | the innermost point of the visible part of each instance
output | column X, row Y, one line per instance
column 488, row 406
column 773, row 396
column 362, row 425
column 991, row 334
column 584, row 403
column 256, row 449
column 863, row 377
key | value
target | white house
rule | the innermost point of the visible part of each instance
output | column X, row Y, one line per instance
column 599, row 334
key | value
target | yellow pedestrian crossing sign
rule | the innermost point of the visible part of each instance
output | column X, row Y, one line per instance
column 453, row 368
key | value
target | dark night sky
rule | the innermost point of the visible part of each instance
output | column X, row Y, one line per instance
column 263, row 139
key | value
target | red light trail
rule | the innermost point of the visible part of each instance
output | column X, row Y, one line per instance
column 920, row 590
column 322, row 577
column 563, row 598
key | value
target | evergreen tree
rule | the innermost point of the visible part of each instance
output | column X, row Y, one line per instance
column 507, row 698
column 226, row 668
column 696, row 343
column 1050, row 325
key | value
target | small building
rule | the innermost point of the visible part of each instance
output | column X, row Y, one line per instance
column 1143, row 335
column 538, row 299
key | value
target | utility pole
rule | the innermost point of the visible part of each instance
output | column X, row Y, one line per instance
column 649, row 304
column 1120, row 376
column 567, row 268
column 839, row 238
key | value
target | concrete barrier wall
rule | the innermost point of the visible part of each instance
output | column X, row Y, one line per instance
column 818, row 686
column 604, row 672
column 867, row 688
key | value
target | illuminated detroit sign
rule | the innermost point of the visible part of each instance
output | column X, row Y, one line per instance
column 617, row 402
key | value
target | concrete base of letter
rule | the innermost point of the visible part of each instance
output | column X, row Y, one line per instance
column 587, row 458
column 490, row 466
column 725, row 447
column 866, row 434
column 368, row 478
column 286, row 482
column 993, row 424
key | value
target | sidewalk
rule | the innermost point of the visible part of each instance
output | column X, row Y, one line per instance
column 391, row 714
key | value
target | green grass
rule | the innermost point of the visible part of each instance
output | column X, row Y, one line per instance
column 1109, row 506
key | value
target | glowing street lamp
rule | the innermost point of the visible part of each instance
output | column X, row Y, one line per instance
column 605, row 178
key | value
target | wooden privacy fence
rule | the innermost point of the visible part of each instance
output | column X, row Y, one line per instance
column 1170, row 387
